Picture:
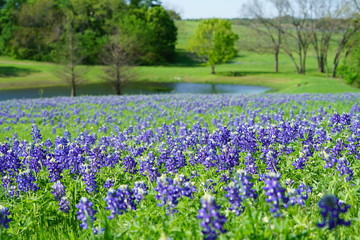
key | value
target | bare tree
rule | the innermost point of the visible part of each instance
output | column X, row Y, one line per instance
column 322, row 29
column 118, row 55
column 298, row 35
column 70, row 57
column 269, row 30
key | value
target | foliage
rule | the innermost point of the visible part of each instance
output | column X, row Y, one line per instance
column 36, row 29
column 213, row 41
column 350, row 70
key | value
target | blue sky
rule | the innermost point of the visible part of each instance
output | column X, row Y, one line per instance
column 206, row 8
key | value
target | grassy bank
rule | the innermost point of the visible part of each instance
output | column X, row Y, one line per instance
column 248, row 69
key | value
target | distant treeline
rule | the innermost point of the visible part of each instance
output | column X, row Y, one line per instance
column 40, row 29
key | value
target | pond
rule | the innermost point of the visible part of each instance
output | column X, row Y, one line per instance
column 133, row 88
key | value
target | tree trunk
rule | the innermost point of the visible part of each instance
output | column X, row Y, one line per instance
column 73, row 90
column 213, row 69
column 321, row 64
column 118, row 81
column 336, row 63
column 118, row 89
column 276, row 61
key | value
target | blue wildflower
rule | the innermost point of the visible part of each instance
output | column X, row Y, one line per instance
column 212, row 220
column 86, row 213
column 239, row 190
column 275, row 193
column 4, row 217
column 330, row 209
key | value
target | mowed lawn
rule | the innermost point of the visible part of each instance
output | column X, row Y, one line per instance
column 248, row 69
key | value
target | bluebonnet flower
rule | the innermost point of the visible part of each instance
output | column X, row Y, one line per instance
column 212, row 220
column 59, row 195
column 171, row 190
column 209, row 186
column 239, row 190
column 140, row 190
column 343, row 166
column 275, row 193
column 89, row 178
column 54, row 169
column 26, row 181
column 64, row 204
column 225, row 178
column 299, row 195
column 4, row 217
column 250, row 164
column 186, row 187
column 35, row 133
column 120, row 200
column 168, row 193
column 148, row 168
column 108, row 183
column 58, row 190
column 130, row 164
column 86, row 213
column 330, row 209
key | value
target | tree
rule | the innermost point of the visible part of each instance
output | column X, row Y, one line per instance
column 348, row 29
column 70, row 56
column 350, row 70
column 38, row 27
column 118, row 55
column 269, row 32
column 165, row 33
column 322, row 29
column 214, row 42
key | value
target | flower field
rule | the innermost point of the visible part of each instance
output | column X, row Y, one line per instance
column 181, row 167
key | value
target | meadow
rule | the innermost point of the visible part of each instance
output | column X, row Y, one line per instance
column 274, row 166
column 248, row 69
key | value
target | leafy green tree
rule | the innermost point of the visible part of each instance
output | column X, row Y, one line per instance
column 164, row 33
column 350, row 70
column 38, row 27
column 7, row 24
column 214, row 42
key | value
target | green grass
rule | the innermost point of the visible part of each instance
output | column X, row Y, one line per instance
column 248, row 68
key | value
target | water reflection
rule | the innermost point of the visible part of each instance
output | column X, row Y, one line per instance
column 133, row 88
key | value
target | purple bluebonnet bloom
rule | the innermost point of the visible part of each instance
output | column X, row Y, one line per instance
column 54, row 169
column 4, row 217
column 239, row 190
column 343, row 166
column 330, row 209
column 140, row 190
column 26, row 181
column 58, row 190
column 250, row 164
column 212, row 220
column 130, row 164
column 168, row 193
column 86, row 213
column 35, row 132
column 64, row 204
column 299, row 195
column 148, row 167
column 171, row 190
column 275, row 193
column 108, row 183
column 209, row 186
column 59, row 195
column 120, row 200
column 89, row 178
